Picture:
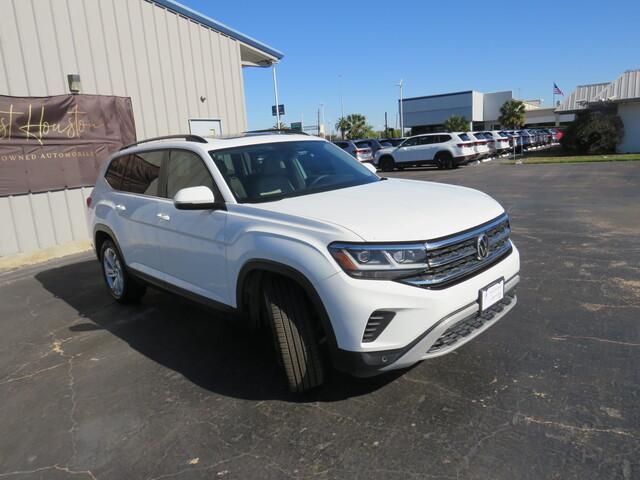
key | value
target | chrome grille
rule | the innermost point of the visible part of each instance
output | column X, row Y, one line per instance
column 468, row 325
column 454, row 258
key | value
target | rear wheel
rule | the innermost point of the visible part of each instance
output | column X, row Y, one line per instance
column 386, row 163
column 295, row 333
column 122, row 286
column 444, row 160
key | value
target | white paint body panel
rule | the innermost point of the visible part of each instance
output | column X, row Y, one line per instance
column 204, row 251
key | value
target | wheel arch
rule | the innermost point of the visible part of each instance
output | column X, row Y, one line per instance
column 260, row 266
column 441, row 153
column 102, row 232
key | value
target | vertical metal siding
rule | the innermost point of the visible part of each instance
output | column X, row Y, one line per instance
column 136, row 48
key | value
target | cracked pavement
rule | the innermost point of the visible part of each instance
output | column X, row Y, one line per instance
column 92, row 389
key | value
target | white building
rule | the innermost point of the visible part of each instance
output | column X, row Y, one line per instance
column 621, row 96
column 179, row 67
column 428, row 113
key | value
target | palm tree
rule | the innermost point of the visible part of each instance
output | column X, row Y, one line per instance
column 342, row 125
column 280, row 126
column 512, row 114
column 456, row 123
column 354, row 126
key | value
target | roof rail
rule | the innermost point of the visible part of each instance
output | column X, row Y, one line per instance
column 187, row 136
column 281, row 131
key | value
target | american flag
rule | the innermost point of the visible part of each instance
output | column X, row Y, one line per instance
column 556, row 90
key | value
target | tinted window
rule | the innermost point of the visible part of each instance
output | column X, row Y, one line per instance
column 186, row 169
column 286, row 169
column 444, row 138
column 464, row 137
column 364, row 144
column 410, row 142
column 143, row 170
column 342, row 144
column 116, row 172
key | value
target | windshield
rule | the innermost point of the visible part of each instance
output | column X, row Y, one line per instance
column 273, row 171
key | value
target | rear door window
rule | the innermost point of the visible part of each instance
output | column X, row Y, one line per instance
column 116, row 172
column 464, row 137
column 143, row 173
column 186, row 169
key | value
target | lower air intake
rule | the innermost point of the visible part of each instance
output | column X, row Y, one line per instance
column 378, row 321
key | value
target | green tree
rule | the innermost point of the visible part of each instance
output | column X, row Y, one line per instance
column 281, row 126
column 512, row 114
column 456, row 123
column 354, row 126
column 391, row 133
column 342, row 126
column 593, row 133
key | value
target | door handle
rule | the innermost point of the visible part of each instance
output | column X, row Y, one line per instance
column 120, row 207
column 163, row 216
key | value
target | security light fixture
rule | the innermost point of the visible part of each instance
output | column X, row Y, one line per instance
column 74, row 83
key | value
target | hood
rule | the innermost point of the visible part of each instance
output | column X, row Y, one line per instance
column 395, row 209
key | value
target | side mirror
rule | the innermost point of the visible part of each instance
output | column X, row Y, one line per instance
column 195, row 198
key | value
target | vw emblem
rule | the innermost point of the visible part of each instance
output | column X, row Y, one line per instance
column 482, row 245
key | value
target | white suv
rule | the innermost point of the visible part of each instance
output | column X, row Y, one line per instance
column 445, row 150
column 291, row 232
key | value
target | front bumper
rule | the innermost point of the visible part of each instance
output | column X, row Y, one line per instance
column 447, row 335
column 422, row 316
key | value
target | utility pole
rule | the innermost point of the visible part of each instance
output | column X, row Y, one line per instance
column 324, row 127
column 318, row 121
column 401, row 112
column 386, row 125
column 275, row 91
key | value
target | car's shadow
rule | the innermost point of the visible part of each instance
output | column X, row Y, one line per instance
column 212, row 351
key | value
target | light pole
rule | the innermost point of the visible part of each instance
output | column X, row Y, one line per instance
column 401, row 112
column 275, row 91
column 341, row 105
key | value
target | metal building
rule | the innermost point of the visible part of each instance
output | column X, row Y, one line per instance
column 428, row 113
column 180, row 68
column 621, row 96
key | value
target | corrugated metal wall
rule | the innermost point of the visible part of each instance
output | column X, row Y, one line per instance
column 165, row 62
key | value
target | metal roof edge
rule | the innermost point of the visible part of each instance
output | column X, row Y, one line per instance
column 216, row 25
column 439, row 95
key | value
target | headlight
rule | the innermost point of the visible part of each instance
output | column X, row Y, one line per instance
column 382, row 262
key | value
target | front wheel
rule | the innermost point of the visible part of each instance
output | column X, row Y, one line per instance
column 295, row 333
column 122, row 286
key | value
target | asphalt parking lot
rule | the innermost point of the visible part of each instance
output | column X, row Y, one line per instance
column 93, row 389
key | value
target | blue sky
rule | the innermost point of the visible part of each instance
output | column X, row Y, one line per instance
column 435, row 47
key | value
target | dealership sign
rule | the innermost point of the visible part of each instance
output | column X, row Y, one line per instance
column 51, row 143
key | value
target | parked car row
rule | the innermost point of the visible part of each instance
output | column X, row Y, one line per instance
column 444, row 150
column 532, row 137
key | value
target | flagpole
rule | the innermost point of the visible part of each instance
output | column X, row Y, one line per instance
column 554, row 96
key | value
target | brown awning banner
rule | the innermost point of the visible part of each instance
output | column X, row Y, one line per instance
column 51, row 143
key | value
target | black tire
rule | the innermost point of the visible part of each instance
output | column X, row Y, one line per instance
column 291, row 318
column 445, row 159
column 126, row 289
column 387, row 164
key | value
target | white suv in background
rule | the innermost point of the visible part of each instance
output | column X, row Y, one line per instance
column 445, row 150
column 278, row 231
